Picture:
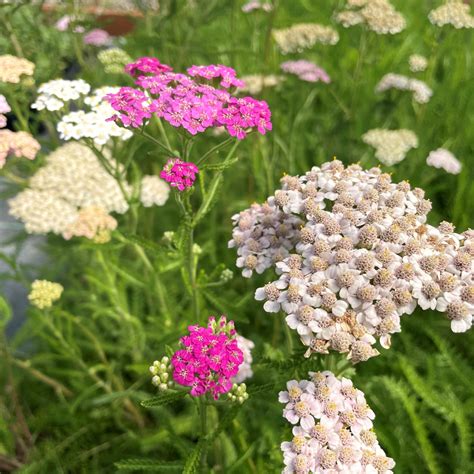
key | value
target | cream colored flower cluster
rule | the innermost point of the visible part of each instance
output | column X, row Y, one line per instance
column 255, row 83
column 44, row 293
column 378, row 15
column 444, row 159
column 417, row 63
column 12, row 68
column 17, row 144
column 453, row 12
column 333, row 430
column 54, row 95
column 154, row 191
column 391, row 146
column 114, row 60
column 302, row 36
column 93, row 223
column 364, row 256
column 71, row 180
column 421, row 91
column 93, row 124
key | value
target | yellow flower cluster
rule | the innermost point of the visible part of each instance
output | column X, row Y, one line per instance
column 44, row 293
column 12, row 68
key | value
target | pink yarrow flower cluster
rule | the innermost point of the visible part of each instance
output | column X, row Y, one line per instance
column 179, row 174
column 97, row 37
column 306, row 71
column 189, row 101
column 209, row 359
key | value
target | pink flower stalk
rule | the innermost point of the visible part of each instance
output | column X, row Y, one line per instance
column 210, row 357
column 97, row 37
column 184, row 101
column 306, row 71
column 180, row 174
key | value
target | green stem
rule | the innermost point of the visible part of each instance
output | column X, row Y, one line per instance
column 157, row 142
column 203, row 419
column 191, row 266
column 163, row 133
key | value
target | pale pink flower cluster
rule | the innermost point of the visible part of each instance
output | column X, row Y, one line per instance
column 17, row 144
column 97, row 37
column 306, row 71
column 245, row 369
column 421, row 91
column 263, row 235
column 4, row 109
column 92, row 222
column 444, row 159
column 333, row 430
column 12, row 68
column 257, row 5
column 362, row 258
column 195, row 101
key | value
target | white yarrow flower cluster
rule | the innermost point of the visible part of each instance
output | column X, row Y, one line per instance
column 360, row 265
column 378, row 15
column 421, row 91
column 417, row 63
column 255, row 83
column 302, row 36
column 55, row 94
column 245, row 369
column 154, row 191
column 444, row 159
column 71, row 179
column 391, row 146
column 333, row 430
column 455, row 13
column 93, row 124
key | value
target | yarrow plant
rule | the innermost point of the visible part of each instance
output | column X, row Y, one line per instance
column 363, row 256
column 179, row 174
column 18, row 144
column 13, row 68
column 333, row 429
column 421, row 91
column 196, row 101
column 209, row 358
column 306, row 71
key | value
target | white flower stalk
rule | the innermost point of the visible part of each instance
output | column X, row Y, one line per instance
column 55, row 94
column 93, row 124
column 72, row 179
column 377, row 15
column 417, row 63
column 421, row 91
column 363, row 257
column 454, row 13
column 154, row 191
column 445, row 160
column 302, row 36
column 333, row 430
column 391, row 146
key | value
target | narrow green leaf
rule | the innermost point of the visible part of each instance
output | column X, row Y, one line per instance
column 149, row 465
column 164, row 399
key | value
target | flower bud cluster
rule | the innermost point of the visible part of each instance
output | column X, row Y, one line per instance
column 238, row 393
column 114, row 60
column 302, row 36
column 161, row 371
column 391, row 146
column 378, row 15
column 421, row 92
column 44, row 293
column 364, row 257
column 333, row 429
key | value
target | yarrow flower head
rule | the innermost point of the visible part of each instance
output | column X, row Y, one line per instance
column 97, row 37
column 333, row 428
column 306, row 71
column 257, row 5
column 377, row 15
column 453, row 12
column 12, row 68
column 210, row 357
column 444, row 159
column 180, row 174
column 114, row 60
column 255, row 83
column 153, row 191
column 391, row 146
column 302, row 36
column 55, row 94
column 421, row 91
column 195, row 101
column 44, row 293
column 245, row 370
column 93, row 223
column 417, row 63
column 353, row 253
column 19, row 144
column 4, row 109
